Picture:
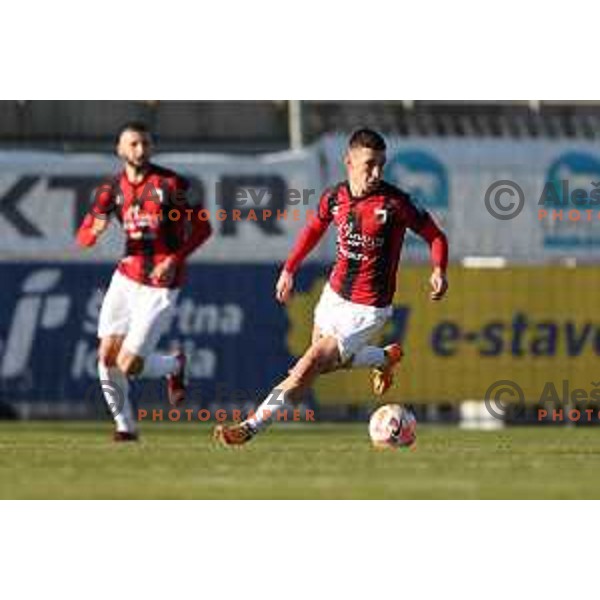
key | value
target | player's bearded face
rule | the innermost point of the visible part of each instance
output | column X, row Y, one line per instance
column 365, row 169
column 135, row 148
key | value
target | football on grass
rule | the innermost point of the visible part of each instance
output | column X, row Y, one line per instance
column 392, row 426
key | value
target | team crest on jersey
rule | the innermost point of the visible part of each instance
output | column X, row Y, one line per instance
column 381, row 215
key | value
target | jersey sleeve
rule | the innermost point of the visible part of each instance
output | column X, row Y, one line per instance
column 423, row 224
column 415, row 216
column 104, row 201
column 326, row 205
column 312, row 232
column 103, row 205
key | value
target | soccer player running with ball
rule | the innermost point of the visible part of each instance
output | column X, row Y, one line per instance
column 371, row 217
column 143, row 290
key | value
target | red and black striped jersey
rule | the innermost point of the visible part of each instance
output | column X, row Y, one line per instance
column 157, row 219
column 370, row 235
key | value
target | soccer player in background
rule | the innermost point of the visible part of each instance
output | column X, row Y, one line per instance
column 371, row 217
column 144, row 288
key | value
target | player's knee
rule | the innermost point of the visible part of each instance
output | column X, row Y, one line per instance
column 327, row 353
column 107, row 355
column 130, row 365
column 106, row 358
column 316, row 335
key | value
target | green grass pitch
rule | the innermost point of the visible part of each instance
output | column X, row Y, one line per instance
column 79, row 460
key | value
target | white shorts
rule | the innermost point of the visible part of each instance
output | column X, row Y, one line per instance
column 139, row 312
column 353, row 325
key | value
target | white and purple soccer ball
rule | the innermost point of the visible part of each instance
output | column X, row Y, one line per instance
column 392, row 426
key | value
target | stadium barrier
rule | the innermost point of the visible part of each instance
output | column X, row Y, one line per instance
column 485, row 194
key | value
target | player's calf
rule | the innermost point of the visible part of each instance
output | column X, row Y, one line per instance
column 176, row 381
column 115, row 388
column 129, row 364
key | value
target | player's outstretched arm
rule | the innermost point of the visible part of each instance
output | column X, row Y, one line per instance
column 309, row 237
column 438, row 246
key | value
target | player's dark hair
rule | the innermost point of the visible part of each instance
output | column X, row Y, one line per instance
column 137, row 126
column 366, row 138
